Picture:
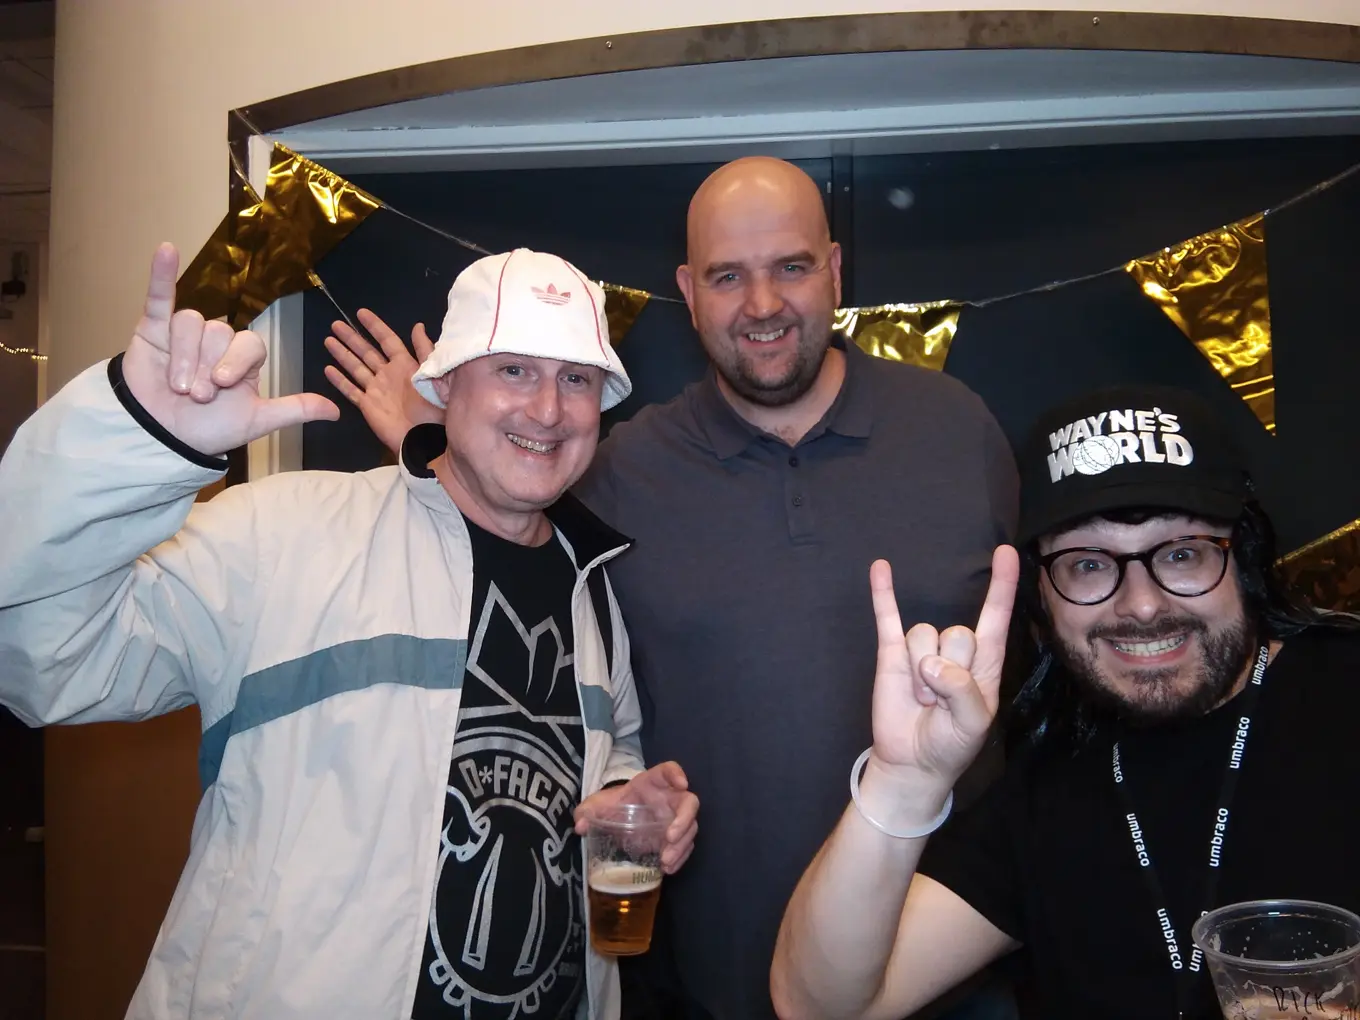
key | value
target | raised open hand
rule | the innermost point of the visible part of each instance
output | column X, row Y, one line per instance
column 935, row 694
column 201, row 380
column 378, row 382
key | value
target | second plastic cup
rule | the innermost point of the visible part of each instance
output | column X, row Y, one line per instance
column 1271, row 959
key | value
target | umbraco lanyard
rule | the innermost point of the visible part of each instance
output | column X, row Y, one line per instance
column 1185, row 971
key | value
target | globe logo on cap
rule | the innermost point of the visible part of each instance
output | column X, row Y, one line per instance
column 1095, row 455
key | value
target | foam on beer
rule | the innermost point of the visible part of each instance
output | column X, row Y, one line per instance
column 623, row 879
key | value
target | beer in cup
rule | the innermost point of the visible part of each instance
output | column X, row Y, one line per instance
column 623, row 876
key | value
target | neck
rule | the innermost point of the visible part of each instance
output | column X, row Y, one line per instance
column 527, row 527
column 791, row 422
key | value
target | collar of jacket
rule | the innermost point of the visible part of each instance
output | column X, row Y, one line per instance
column 589, row 537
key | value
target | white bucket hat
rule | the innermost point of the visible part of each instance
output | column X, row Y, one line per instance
column 530, row 303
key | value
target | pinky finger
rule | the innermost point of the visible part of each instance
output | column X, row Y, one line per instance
column 347, row 389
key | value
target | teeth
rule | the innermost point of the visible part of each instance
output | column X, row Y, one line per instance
column 1149, row 647
column 764, row 338
column 529, row 444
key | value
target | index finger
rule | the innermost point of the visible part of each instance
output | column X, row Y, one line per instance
column 886, row 615
column 154, row 326
column 995, row 619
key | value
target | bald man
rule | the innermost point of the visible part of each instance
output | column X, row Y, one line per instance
column 757, row 499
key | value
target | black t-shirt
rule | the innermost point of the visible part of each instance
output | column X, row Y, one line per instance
column 1047, row 855
column 507, row 933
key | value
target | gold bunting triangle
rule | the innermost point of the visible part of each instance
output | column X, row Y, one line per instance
column 916, row 334
column 1215, row 288
column 267, row 249
column 622, row 306
column 1326, row 572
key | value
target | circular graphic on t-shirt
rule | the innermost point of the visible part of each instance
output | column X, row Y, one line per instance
column 507, row 928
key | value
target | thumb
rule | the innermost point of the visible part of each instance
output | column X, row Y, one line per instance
column 421, row 341
column 670, row 774
column 295, row 409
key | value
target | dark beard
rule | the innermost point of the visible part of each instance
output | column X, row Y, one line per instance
column 1226, row 654
column 807, row 366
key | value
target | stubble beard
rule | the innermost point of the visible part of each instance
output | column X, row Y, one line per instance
column 740, row 373
column 1224, row 657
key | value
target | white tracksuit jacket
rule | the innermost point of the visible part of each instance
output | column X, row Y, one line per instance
column 320, row 622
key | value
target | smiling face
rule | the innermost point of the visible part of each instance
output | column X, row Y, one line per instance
column 521, row 431
column 1145, row 653
column 762, row 278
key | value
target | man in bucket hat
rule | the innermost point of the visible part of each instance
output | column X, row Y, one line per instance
column 1184, row 718
column 414, row 682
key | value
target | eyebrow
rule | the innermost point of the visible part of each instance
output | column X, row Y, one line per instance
column 718, row 268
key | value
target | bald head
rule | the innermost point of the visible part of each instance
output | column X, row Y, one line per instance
column 762, row 279
column 755, row 193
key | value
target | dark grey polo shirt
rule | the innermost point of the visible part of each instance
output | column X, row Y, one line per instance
column 746, row 596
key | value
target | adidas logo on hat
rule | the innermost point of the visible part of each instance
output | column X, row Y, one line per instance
column 551, row 295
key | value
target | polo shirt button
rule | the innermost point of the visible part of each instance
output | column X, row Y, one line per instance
column 793, row 461
column 797, row 500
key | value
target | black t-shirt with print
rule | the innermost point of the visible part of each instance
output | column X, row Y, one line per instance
column 507, row 934
column 1047, row 855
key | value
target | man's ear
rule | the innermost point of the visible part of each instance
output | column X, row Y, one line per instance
column 443, row 386
column 834, row 264
column 684, row 279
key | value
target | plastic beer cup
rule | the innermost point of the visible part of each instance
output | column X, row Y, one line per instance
column 1272, row 959
column 623, row 876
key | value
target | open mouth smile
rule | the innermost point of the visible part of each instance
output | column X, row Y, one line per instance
column 533, row 446
column 766, row 338
column 1149, row 649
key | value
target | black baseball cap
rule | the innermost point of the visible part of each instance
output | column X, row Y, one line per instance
column 1128, row 446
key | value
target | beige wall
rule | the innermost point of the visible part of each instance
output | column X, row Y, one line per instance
column 142, row 91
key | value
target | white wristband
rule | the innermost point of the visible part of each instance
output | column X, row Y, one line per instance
column 930, row 826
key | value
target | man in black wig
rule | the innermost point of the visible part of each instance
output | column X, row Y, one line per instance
column 1186, row 742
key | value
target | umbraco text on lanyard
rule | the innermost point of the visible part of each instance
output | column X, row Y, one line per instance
column 1186, row 969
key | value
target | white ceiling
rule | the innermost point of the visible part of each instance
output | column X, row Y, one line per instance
column 868, row 103
column 26, row 50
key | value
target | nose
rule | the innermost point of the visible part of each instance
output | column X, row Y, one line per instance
column 1140, row 597
column 763, row 300
column 545, row 405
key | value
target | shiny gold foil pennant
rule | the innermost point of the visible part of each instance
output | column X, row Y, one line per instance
column 918, row 334
column 1326, row 572
column 1215, row 288
column 267, row 249
column 622, row 306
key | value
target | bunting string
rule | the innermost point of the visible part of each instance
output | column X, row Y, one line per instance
column 1214, row 287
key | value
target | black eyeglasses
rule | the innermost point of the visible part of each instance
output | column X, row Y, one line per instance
column 1189, row 566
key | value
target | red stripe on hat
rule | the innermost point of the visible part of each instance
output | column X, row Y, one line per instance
column 598, row 338
column 497, row 318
